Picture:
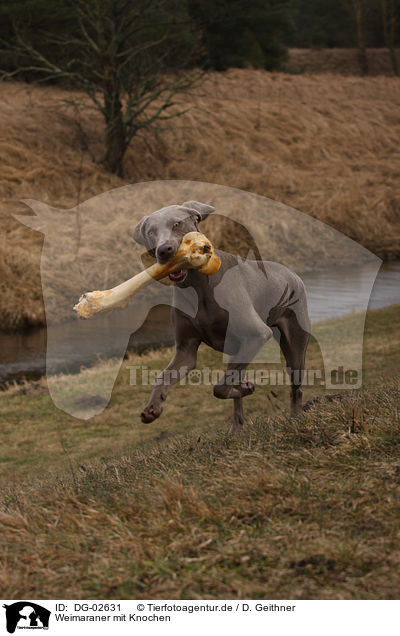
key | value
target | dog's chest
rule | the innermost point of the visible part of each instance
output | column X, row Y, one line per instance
column 211, row 322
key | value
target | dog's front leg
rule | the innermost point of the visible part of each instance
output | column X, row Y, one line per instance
column 184, row 360
column 233, row 385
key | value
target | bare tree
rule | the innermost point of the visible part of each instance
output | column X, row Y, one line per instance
column 119, row 54
column 390, row 25
column 358, row 11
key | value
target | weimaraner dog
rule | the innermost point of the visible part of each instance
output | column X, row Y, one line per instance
column 235, row 310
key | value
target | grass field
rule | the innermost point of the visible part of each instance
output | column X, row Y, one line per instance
column 111, row 508
column 325, row 144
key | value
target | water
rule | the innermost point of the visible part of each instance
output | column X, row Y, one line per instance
column 341, row 290
column 24, row 354
column 332, row 293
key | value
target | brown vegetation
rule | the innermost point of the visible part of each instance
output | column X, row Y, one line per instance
column 327, row 145
column 290, row 509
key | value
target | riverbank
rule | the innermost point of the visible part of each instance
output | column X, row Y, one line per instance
column 118, row 509
column 28, row 415
column 324, row 144
column 333, row 292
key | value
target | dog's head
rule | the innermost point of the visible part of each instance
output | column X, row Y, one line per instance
column 162, row 231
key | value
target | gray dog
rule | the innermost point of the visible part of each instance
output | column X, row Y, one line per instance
column 235, row 311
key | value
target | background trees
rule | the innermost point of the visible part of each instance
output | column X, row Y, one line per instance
column 215, row 33
column 391, row 26
column 119, row 52
column 132, row 57
column 238, row 32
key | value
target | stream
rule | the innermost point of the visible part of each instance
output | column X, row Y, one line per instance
column 332, row 293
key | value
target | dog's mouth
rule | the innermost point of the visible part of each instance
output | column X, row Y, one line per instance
column 179, row 276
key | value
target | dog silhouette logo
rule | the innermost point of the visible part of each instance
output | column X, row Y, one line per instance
column 26, row 615
column 93, row 247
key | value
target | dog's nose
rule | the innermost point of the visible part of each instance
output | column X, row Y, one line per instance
column 164, row 252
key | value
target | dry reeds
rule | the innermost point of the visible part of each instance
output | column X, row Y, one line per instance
column 326, row 145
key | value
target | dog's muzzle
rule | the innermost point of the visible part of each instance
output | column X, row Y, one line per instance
column 165, row 252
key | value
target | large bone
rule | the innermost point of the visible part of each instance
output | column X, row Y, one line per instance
column 195, row 252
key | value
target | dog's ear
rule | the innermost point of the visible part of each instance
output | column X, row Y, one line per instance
column 201, row 210
column 138, row 232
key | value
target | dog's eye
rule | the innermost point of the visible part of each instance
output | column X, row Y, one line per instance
column 151, row 233
column 176, row 224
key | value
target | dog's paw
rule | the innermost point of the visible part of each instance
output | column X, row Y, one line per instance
column 247, row 388
column 224, row 392
column 150, row 413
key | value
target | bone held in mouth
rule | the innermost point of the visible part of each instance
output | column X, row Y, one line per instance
column 195, row 252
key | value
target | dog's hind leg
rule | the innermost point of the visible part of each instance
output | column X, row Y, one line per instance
column 237, row 417
column 234, row 386
column 293, row 342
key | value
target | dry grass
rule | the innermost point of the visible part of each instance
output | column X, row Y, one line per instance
column 290, row 509
column 306, row 509
column 327, row 145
